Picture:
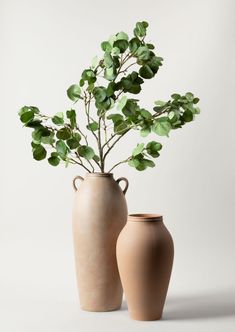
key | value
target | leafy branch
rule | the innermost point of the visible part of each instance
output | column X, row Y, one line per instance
column 110, row 110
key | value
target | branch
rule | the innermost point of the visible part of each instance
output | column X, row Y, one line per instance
column 120, row 162
column 81, row 165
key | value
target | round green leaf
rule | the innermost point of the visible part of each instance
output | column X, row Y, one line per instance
column 58, row 119
column 93, row 126
column 108, row 60
column 99, row 93
column 63, row 133
column 86, row 152
column 143, row 53
column 73, row 143
column 54, row 161
column 122, row 44
column 39, row 152
column 27, row 116
column 106, row 46
column 122, row 102
column 61, row 148
column 187, row 116
column 122, row 36
column 145, row 131
column 74, row 92
column 139, row 148
column 146, row 72
column 162, row 127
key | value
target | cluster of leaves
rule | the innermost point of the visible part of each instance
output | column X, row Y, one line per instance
column 60, row 138
column 63, row 140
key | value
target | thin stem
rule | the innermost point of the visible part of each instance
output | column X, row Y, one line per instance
column 105, row 130
column 100, row 146
column 115, row 142
column 81, row 165
column 120, row 162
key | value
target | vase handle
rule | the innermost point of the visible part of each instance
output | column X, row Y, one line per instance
column 74, row 181
column 126, row 186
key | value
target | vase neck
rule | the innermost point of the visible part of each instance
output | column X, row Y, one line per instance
column 145, row 217
column 99, row 175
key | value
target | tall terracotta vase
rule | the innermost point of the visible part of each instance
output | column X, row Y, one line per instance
column 145, row 258
column 100, row 213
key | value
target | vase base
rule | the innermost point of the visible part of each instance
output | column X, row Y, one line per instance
column 103, row 309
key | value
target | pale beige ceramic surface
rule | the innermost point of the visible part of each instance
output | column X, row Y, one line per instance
column 99, row 214
column 145, row 257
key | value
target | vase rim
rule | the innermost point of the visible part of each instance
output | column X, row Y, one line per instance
column 99, row 174
column 145, row 217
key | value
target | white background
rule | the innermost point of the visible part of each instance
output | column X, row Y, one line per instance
column 45, row 45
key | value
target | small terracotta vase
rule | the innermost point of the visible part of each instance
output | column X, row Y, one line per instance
column 99, row 214
column 145, row 256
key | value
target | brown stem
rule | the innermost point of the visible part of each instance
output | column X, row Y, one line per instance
column 120, row 162
column 100, row 147
column 81, row 165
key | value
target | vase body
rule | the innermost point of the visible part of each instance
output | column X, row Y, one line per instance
column 99, row 214
column 145, row 257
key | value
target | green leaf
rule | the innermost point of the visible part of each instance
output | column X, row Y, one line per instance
column 104, row 105
column 39, row 152
column 106, row 46
column 154, row 63
column 40, row 132
column 145, row 131
column 148, row 163
column 86, row 152
column 74, row 92
column 93, row 126
column 139, row 148
column 99, row 94
column 122, row 102
column 110, row 73
column 33, row 124
column 115, row 51
column 140, row 29
column 160, row 103
column 196, row 100
column 122, row 44
column 146, row 72
column 89, row 76
column 134, row 44
column 63, row 133
column 25, row 109
column 162, row 126
column 175, row 96
column 71, row 115
column 96, row 158
column 153, row 149
column 134, row 162
column 115, row 117
column 120, row 127
column 61, row 148
column 108, row 60
column 143, row 53
column 110, row 89
column 94, row 62
column 58, row 119
column 27, row 116
column 54, row 160
column 48, row 139
column 187, row 116
column 145, row 114
column 189, row 96
column 122, row 36
column 74, row 142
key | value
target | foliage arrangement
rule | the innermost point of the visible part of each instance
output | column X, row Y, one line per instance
column 105, row 95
